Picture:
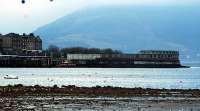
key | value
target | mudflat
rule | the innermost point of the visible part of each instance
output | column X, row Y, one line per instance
column 77, row 103
column 73, row 98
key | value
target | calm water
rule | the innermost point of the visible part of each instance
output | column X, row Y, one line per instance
column 128, row 77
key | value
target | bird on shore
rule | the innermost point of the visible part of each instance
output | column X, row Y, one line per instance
column 50, row 79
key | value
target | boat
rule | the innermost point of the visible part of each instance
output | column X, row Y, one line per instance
column 10, row 77
column 66, row 64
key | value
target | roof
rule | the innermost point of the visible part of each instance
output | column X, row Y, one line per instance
column 158, row 51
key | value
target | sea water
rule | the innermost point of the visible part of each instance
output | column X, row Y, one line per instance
column 181, row 78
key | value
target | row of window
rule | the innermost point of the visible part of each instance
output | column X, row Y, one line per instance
column 158, row 52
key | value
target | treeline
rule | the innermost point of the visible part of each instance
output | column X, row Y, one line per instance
column 55, row 51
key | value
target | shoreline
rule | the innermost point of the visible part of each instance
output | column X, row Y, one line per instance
column 72, row 98
column 72, row 90
column 97, row 67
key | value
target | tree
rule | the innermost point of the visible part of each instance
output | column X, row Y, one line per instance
column 53, row 51
column 53, row 48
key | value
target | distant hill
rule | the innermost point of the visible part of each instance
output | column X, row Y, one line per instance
column 128, row 28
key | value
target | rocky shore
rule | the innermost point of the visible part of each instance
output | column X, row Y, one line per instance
column 76, row 103
column 73, row 98
column 72, row 90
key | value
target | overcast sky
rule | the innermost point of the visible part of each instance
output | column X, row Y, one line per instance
column 19, row 18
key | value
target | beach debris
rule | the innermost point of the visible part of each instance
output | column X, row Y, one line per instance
column 50, row 79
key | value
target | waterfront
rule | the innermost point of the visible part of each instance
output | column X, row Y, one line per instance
column 170, row 78
column 72, row 98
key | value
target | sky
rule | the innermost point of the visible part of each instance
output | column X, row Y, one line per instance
column 25, row 18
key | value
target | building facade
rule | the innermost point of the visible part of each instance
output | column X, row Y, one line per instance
column 16, row 42
column 145, row 58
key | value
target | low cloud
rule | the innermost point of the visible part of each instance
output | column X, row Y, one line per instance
column 143, row 2
column 35, row 13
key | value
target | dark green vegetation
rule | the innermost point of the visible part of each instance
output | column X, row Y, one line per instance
column 57, row 52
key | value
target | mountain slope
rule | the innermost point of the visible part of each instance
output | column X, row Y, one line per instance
column 128, row 29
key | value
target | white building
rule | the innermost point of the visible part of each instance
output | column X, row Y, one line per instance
column 83, row 56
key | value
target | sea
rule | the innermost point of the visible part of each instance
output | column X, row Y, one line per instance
column 168, row 78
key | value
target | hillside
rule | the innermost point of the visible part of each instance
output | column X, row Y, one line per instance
column 128, row 29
